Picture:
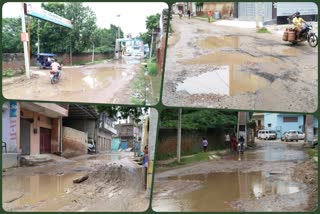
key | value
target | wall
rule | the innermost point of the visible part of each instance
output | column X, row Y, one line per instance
column 87, row 126
column 225, row 8
column 15, row 61
column 103, row 141
column 74, row 142
column 191, row 141
column 6, row 124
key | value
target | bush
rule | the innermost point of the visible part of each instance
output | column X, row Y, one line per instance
column 152, row 68
column 263, row 30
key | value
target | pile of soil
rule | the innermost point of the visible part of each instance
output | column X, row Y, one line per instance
column 307, row 172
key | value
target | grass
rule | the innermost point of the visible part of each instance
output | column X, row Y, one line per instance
column 202, row 156
column 152, row 68
column 312, row 152
column 263, row 30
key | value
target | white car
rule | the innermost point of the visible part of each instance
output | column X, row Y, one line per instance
column 301, row 135
column 266, row 135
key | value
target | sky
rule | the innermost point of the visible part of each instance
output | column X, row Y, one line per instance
column 132, row 15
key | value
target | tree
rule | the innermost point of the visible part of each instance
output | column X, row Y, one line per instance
column 123, row 112
column 152, row 22
column 11, row 29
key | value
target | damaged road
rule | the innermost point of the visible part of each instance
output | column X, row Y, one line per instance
column 98, row 83
column 274, row 176
column 102, row 182
column 227, row 67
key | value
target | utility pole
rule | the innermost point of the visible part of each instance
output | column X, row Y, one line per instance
column 151, row 45
column 25, row 43
column 38, row 34
column 179, row 136
column 29, row 49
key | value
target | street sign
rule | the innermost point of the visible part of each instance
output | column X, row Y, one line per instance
column 24, row 37
column 46, row 15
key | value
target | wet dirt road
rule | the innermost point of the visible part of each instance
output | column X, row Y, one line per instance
column 107, row 82
column 115, row 183
column 208, row 65
column 263, row 179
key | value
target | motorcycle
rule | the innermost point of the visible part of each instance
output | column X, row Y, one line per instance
column 291, row 35
column 55, row 75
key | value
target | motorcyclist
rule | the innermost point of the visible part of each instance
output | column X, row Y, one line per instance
column 297, row 22
column 241, row 141
column 55, row 66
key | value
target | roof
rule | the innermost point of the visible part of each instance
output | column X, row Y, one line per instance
column 77, row 111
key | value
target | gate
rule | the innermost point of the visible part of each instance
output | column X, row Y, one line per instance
column 45, row 140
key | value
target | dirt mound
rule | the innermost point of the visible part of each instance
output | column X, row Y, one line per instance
column 307, row 172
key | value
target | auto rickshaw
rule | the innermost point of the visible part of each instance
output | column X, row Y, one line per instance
column 44, row 60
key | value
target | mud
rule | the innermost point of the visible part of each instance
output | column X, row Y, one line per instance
column 98, row 83
column 115, row 183
column 272, row 70
column 269, row 173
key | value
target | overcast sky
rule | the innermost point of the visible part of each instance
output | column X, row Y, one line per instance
column 132, row 15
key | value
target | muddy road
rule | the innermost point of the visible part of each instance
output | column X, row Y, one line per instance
column 272, row 177
column 210, row 65
column 107, row 82
column 115, row 183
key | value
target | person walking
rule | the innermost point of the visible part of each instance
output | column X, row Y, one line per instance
column 209, row 16
column 189, row 13
column 205, row 144
column 227, row 140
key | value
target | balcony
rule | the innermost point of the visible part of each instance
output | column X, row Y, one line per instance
column 107, row 127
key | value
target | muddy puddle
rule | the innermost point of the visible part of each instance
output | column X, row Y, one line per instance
column 223, row 80
column 213, row 42
column 31, row 190
column 219, row 190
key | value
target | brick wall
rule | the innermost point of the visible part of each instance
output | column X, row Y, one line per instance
column 191, row 141
column 15, row 61
column 74, row 142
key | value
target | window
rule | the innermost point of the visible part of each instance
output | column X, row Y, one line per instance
column 269, row 124
column 242, row 128
column 290, row 119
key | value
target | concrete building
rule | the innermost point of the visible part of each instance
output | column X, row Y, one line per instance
column 30, row 128
column 224, row 9
column 97, row 127
column 274, row 12
column 259, row 119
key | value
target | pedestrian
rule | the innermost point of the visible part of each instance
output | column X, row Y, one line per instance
column 205, row 144
column 180, row 14
column 241, row 141
column 210, row 16
column 227, row 140
column 234, row 143
column 189, row 13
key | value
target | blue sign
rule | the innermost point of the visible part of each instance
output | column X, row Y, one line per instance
column 13, row 108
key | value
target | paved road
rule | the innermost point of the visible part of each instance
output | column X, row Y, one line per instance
column 209, row 65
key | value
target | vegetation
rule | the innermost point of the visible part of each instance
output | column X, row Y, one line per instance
column 54, row 38
column 263, row 30
column 123, row 112
column 198, row 119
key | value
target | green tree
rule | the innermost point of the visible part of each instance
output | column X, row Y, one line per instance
column 11, row 29
column 123, row 112
column 152, row 22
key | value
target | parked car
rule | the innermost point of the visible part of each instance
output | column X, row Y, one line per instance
column 291, row 136
column 273, row 137
column 283, row 135
column 315, row 141
column 91, row 146
column 266, row 135
column 301, row 135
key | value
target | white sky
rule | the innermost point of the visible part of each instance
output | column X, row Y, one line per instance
column 132, row 15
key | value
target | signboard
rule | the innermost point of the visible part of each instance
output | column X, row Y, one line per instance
column 24, row 37
column 46, row 15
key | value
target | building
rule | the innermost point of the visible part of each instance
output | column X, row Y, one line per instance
column 184, row 7
column 259, row 119
column 284, row 122
column 30, row 128
column 274, row 12
column 224, row 9
column 97, row 127
column 129, row 133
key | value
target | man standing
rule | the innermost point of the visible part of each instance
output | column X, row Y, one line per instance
column 209, row 16
column 205, row 144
